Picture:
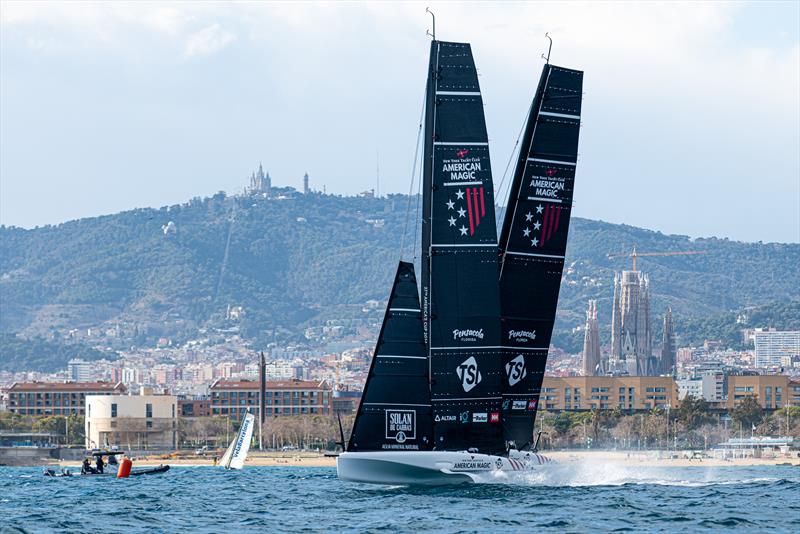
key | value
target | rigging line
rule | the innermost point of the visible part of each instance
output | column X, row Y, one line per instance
column 417, row 221
column 413, row 176
column 500, row 194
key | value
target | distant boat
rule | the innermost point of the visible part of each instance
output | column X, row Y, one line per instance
column 236, row 454
column 454, row 385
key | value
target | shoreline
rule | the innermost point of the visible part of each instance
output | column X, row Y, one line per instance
column 627, row 458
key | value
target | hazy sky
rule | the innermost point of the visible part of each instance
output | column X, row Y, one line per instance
column 691, row 118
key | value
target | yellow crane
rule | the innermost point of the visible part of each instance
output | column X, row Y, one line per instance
column 635, row 254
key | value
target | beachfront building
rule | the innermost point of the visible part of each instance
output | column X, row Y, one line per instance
column 132, row 422
column 283, row 397
column 56, row 398
column 772, row 391
column 608, row 392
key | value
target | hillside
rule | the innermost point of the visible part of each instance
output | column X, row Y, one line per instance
column 293, row 262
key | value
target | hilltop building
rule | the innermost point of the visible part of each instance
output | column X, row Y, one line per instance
column 260, row 183
column 631, row 334
column 306, row 189
column 592, row 362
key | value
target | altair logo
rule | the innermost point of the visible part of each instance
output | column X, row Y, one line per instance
column 524, row 334
column 467, row 335
column 468, row 374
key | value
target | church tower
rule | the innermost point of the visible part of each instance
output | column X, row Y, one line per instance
column 592, row 364
column 668, row 351
column 306, row 190
column 631, row 337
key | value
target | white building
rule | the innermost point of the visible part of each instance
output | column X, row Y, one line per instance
column 709, row 385
column 132, row 422
column 79, row 370
column 772, row 345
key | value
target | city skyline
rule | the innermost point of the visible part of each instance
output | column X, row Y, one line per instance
column 152, row 105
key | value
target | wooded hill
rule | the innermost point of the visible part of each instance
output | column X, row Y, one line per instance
column 293, row 262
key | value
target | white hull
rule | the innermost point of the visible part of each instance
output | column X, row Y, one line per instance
column 433, row 467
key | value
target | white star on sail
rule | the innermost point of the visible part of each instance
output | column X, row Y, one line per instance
column 526, row 232
column 537, row 225
column 452, row 221
column 460, row 194
column 450, row 204
column 528, row 216
column 462, row 212
column 463, row 230
column 534, row 242
column 539, row 208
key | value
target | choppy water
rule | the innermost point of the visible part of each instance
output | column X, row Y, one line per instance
column 564, row 498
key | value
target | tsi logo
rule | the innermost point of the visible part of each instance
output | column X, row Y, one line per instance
column 480, row 417
column 515, row 370
column 401, row 425
column 519, row 405
column 468, row 373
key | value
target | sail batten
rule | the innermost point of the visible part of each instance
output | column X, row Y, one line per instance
column 533, row 241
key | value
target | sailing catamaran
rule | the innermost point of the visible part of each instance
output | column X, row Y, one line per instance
column 236, row 454
column 454, row 383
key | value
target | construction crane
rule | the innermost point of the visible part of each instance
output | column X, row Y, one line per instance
column 635, row 254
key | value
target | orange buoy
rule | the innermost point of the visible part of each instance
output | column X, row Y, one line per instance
column 124, row 470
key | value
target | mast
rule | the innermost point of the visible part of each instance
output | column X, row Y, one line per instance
column 460, row 302
column 533, row 243
column 395, row 410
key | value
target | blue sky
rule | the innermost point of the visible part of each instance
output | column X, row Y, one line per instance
column 691, row 120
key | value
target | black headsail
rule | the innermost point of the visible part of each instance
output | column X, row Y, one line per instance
column 395, row 409
column 459, row 258
column 533, row 241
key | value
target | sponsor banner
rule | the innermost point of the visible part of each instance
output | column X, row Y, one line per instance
column 494, row 417
column 519, row 405
column 401, row 425
column 480, row 417
column 468, row 374
column 516, row 370
column 445, row 418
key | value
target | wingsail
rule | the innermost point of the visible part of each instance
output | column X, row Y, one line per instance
column 533, row 242
column 460, row 299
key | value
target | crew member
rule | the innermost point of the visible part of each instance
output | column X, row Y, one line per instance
column 99, row 464
column 86, row 467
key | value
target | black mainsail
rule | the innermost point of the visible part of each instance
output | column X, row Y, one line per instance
column 460, row 299
column 533, row 242
column 395, row 408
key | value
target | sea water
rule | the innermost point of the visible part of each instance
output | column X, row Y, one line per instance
column 570, row 497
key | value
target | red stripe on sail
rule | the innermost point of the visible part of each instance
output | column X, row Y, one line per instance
column 544, row 227
column 469, row 210
column 483, row 207
column 558, row 216
column 475, row 200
